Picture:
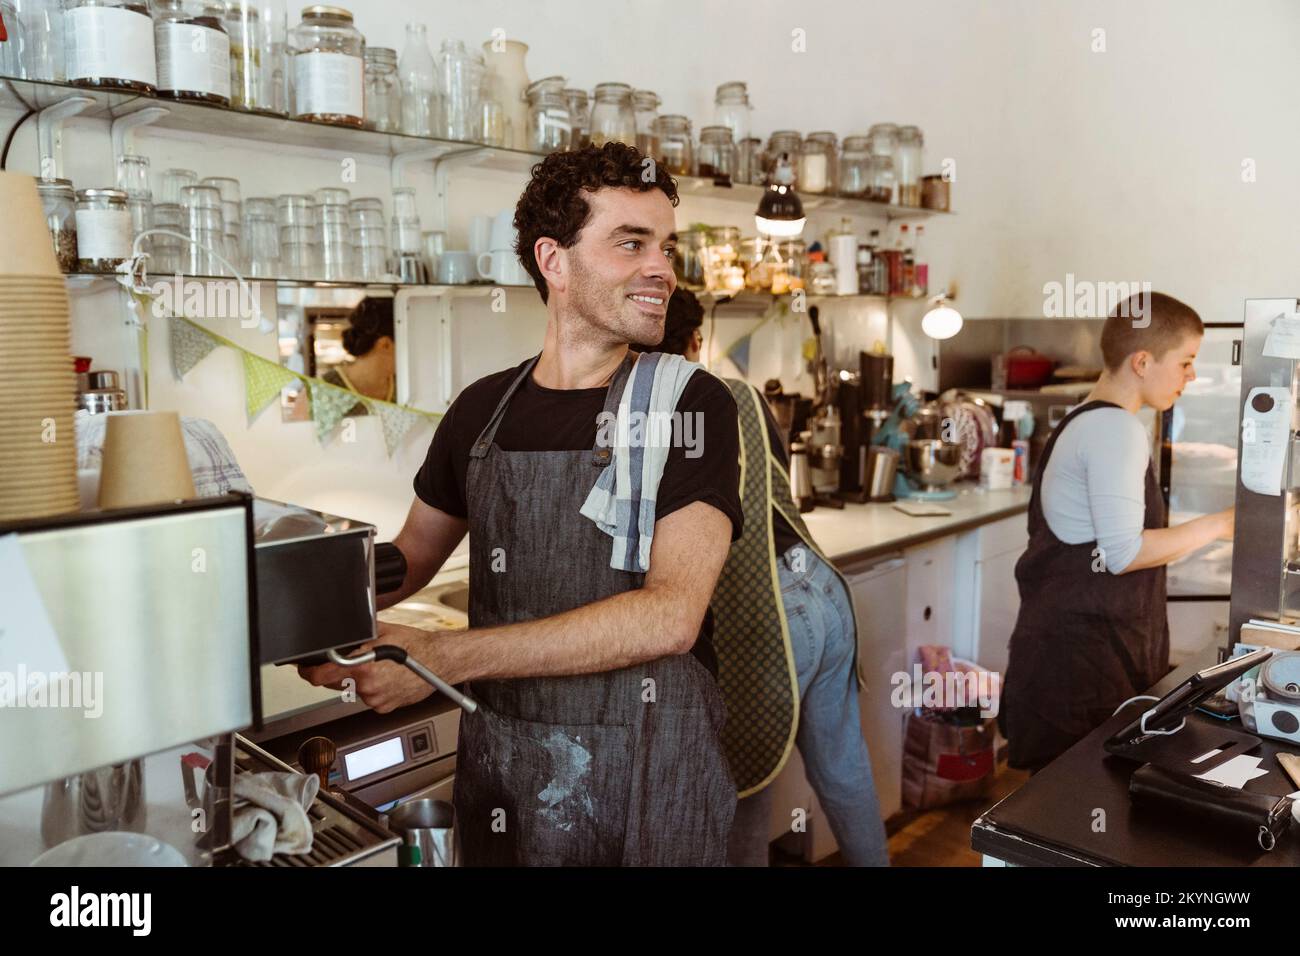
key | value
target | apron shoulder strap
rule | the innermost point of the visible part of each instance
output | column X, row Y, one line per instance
column 601, row 453
column 486, row 437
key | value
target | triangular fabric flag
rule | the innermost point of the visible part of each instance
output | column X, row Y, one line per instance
column 190, row 345
column 329, row 404
column 395, row 420
column 739, row 354
column 263, row 381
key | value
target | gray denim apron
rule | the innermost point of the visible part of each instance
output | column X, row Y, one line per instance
column 624, row 767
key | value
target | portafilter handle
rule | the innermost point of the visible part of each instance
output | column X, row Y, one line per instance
column 316, row 755
column 398, row 655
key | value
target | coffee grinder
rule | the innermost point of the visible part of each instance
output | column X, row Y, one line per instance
column 865, row 401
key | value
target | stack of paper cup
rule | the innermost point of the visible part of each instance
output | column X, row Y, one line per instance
column 144, row 460
column 38, row 384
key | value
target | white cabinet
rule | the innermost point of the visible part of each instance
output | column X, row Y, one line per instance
column 1001, row 544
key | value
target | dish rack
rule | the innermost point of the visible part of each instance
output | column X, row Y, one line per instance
column 342, row 834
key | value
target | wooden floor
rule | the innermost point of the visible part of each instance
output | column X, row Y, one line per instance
column 938, row 837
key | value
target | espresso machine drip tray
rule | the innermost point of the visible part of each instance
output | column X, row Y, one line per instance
column 343, row 835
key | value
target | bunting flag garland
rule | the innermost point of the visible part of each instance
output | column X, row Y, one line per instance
column 190, row 346
column 265, row 378
column 739, row 354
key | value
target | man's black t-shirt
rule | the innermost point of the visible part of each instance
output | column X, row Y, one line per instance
column 547, row 419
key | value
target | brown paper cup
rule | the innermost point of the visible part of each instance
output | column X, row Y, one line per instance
column 144, row 460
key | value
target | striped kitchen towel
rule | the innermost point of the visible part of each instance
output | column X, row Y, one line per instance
column 622, row 502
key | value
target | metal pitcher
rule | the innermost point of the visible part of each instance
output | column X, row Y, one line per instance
column 110, row 798
column 428, row 832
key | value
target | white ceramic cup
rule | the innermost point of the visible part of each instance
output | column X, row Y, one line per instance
column 456, row 267
column 480, row 234
column 502, row 266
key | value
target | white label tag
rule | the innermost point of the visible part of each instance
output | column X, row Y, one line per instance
column 103, row 233
column 193, row 59
column 332, row 83
column 109, row 42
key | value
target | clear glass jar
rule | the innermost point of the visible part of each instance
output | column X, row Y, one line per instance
column 41, row 25
column 757, row 278
column 612, row 118
column 108, row 44
column 460, row 78
column 907, row 165
column 884, row 139
column 716, row 158
column 691, row 258
column 785, row 141
column 329, row 76
column 418, row 100
column 193, row 48
column 731, row 109
column 258, row 74
column 645, row 106
column 882, row 180
column 579, row 118
column 724, row 255
column 549, row 126
column 60, row 204
column 495, row 127
column 749, row 161
column 855, row 167
column 676, row 152
column 791, row 266
column 103, row 230
column 383, row 90
column 817, row 164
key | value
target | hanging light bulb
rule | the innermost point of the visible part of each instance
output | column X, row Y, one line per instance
column 942, row 321
column 780, row 211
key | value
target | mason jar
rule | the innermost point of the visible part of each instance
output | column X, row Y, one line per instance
column 579, row 118
column 383, row 90
column 328, row 65
column 817, row 163
column 193, row 49
column 717, row 154
column 612, row 118
column 691, row 258
column 855, row 167
column 645, row 107
column 907, row 165
column 109, row 44
column 59, row 202
column 884, row 139
column 675, row 148
column 883, row 181
column 731, row 109
column 103, row 230
column 549, row 125
column 783, row 141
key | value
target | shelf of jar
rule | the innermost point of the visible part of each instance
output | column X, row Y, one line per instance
column 85, row 280
column 267, row 127
column 757, row 298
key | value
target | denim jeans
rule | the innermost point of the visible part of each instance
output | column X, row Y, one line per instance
column 822, row 639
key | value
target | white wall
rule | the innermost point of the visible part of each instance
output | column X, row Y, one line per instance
column 1122, row 165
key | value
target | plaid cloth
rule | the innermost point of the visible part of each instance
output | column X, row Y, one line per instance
column 212, row 463
column 622, row 503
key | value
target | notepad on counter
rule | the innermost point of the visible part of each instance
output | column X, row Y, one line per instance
column 922, row 509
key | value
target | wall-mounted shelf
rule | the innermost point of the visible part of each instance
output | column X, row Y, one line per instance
column 279, row 130
column 753, row 299
column 82, row 280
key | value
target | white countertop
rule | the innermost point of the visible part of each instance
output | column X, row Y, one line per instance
column 864, row 531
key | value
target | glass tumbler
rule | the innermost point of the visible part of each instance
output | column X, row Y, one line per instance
column 201, row 207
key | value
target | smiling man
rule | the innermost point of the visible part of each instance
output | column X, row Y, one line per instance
column 597, row 738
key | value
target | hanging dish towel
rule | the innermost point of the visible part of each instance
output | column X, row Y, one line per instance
column 622, row 503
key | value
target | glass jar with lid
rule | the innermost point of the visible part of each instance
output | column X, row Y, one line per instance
column 327, row 53
column 785, row 141
column 103, row 230
column 59, row 202
column 193, row 48
column 716, row 158
column 817, row 163
column 724, row 256
column 855, row 167
column 731, row 109
column 549, row 124
column 109, row 44
column 907, row 165
column 612, row 118
column 258, row 31
column 645, row 106
column 676, row 152
column 383, row 90
column 884, row 139
column 691, row 257
column 749, row 161
column 789, row 272
column 579, row 118
column 882, row 180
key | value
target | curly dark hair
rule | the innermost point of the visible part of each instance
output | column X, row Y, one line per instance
column 685, row 315
column 370, row 321
column 553, row 205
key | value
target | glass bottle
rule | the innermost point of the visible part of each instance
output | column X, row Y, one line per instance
column 383, row 90
column 612, row 118
column 731, row 109
column 108, row 44
column 419, row 83
column 645, row 106
column 193, row 48
column 258, row 34
column 579, row 118
column 675, row 148
column 103, row 230
column 460, row 78
column 328, row 65
column 907, row 165
column 549, row 126
column 716, row 158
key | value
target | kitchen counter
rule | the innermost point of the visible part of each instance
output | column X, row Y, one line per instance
column 866, row 531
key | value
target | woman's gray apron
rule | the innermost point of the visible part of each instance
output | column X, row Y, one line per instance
column 1085, row 640
column 623, row 767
